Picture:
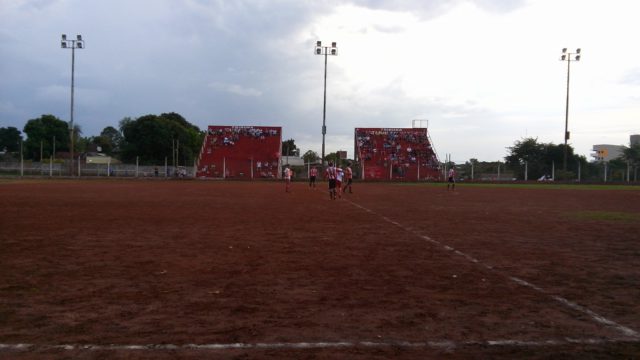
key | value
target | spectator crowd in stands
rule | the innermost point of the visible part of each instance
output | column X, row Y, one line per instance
column 232, row 151
column 229, row 136
column 400, row 146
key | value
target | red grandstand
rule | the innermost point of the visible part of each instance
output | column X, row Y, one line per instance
column 243, row 152
column 396, row 154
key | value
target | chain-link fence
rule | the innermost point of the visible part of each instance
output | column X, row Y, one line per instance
column 64, row 168
column 592, row 172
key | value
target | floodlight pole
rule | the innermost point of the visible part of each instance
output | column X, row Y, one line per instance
column 72, row 44
column 325, row 50
column 568, row 57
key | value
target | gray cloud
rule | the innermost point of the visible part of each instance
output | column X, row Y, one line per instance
column 435, row 8
column 224, row 62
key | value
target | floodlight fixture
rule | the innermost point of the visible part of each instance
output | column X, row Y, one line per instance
column 568, row 57
column 78, row 43
column 325, row 50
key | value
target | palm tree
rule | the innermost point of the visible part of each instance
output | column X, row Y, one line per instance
column 632, row 155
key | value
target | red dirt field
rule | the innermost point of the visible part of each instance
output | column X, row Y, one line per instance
column 238, row 270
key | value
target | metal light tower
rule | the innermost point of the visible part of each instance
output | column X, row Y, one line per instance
column 78, row 43
column 568, row 57
column 325, row 50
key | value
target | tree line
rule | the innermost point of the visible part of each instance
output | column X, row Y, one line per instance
column 154, row 139
column 151, row 139
column 530, row 159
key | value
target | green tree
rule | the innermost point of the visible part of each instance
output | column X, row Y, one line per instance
column 528, row 151
column 110, row 139
column 41, row 133
column 617, row 169
column 82, row 145
column 289, row 148
column 152, row 138
column 10, row 138
column 540, row 158
column 631, row 154
column 310, row 156
column 555, row 155
column 333, row 157
column 107, row 142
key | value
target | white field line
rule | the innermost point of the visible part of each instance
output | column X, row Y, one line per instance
column 442, row 344
column 632, row 336
column 594, row 316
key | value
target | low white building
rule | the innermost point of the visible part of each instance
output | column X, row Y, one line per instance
column 607, row 152
column 291, row 160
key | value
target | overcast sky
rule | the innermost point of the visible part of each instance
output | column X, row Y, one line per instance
column 484, row 73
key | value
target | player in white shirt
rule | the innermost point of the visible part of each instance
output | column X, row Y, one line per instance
column 287, row 178
column 339, row 177
column 451, row 182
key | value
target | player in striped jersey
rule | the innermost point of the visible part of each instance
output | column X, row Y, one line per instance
column 330, row 173
column 348, row 176
column 313, row 172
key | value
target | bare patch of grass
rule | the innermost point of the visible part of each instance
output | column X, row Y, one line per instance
column 612, row 216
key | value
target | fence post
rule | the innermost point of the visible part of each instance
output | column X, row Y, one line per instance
column 166, row 167
column 136, row 166
column 109, row 167
column 526, row 171
column 224, row 167
column 553, row 170
column 579, row 171
column 21, row 160
column 50, row 166
column 605, row 172
column 79, row 166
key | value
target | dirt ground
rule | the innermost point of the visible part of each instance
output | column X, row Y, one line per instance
column 158, row 269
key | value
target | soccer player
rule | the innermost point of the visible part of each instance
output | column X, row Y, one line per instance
column 348, row 175
column 330, row 173
column 313, row 172
column 287, row 178
column 452, row 179
column 339, row 177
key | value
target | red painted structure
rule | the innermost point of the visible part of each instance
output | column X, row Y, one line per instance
column 240, row 152
column 396, row 154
